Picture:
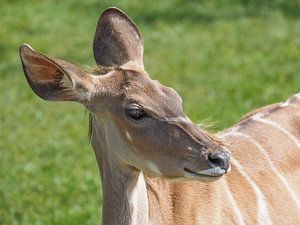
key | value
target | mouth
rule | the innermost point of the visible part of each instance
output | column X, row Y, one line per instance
column 208, row 173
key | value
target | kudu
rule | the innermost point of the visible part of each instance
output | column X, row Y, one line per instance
column 151, row 156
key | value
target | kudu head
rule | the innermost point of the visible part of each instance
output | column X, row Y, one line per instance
column 138, row 119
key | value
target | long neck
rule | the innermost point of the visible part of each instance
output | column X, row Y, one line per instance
column 125, row 199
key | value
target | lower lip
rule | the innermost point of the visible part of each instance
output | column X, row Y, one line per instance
column 212, row 172
column 199, row 177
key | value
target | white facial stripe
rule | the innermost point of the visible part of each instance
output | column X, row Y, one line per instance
column 128, row 135
column 262, row 210
column 233, row 203
column 273, row 168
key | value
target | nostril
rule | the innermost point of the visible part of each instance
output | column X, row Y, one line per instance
column 216, row 161
column 219, row 160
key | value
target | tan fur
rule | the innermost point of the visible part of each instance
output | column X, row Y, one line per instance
column 155, row 170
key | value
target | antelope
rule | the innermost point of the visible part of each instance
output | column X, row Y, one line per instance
column 159, row 168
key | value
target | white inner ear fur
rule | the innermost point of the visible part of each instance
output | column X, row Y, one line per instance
column 68, row 83
column 82, row 93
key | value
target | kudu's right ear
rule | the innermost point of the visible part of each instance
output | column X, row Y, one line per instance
column 117, row 40
column 54, row 79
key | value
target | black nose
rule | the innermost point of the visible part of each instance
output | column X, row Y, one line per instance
column 219, row 159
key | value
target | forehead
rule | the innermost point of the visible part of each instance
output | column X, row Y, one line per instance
column 152, row 95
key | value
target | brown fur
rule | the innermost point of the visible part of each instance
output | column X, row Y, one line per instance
column 136, row 156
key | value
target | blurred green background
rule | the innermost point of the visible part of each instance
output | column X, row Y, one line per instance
column 224, row 57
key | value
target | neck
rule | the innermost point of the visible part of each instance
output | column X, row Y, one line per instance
column 124, row 189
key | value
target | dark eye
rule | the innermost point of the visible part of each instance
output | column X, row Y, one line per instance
column 135, row 111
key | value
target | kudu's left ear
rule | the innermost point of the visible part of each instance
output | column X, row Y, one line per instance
column 54, row 79
column 117, row 40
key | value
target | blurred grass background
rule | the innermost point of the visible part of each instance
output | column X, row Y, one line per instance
column 224, row 57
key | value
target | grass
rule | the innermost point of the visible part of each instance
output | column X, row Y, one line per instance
column 224, row 57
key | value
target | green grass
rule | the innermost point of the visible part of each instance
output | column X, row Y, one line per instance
column 224, row 57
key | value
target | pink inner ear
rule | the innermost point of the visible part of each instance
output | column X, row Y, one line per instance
column 54, row 79
column 44, row 76
column 41, row 70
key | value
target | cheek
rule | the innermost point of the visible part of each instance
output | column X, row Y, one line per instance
column 147, row 139
column 155, row 151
